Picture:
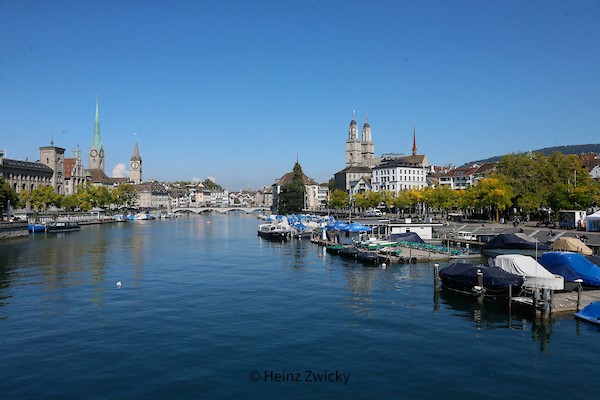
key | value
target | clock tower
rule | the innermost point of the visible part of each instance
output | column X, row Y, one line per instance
column 135, row 166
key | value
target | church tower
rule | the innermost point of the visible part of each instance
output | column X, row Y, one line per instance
column 353, row 145
column 96, row 156
column 135, row 166
column 368, row 148
column 414, row 148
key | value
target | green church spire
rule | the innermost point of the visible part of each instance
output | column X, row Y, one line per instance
column 97, row 142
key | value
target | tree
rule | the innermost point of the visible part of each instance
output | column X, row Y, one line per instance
column 7, row 195
column 211, row 184
column 291, row 197
column 125, row 195
column 441, row 197
column 494, row 194
column 43, row 197
column 339, row 199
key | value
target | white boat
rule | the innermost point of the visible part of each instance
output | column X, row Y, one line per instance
column 278, row 232
column 535, row 276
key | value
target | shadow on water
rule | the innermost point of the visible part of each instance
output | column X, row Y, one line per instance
column 494, row 314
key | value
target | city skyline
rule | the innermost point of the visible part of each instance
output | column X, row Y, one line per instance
column 238, row 90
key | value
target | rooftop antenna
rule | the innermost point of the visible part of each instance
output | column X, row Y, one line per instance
column 52, row 137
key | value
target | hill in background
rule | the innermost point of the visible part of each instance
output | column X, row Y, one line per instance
column 573, row 149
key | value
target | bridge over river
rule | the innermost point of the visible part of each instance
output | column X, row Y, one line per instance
column 222, row 210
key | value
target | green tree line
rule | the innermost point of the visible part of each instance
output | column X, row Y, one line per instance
column 87, row 197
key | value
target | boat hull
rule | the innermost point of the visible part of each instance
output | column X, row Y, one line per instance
column 274, row 236
column 56, row 227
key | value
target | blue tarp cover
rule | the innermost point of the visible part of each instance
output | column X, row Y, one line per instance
column 572, row 266
column 590, row 313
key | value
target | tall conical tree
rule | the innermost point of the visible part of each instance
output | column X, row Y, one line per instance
column 291, row 197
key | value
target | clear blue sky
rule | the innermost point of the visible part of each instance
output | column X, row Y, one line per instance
column 236, row 90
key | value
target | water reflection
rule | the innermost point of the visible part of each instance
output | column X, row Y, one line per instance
column 490, row 315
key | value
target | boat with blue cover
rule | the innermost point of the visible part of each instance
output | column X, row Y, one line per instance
column 573, row 266
column 590, row 313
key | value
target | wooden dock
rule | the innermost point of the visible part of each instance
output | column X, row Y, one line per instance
column 562, row 302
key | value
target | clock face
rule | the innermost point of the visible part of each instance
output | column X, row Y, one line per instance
column 101, row 153
column 135, row 165
column 94, row 153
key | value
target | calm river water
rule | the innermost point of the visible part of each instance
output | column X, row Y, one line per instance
column 209, row 310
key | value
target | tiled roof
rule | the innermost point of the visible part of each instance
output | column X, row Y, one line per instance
column 287, row 178
column 26, row 165
column 69, row 164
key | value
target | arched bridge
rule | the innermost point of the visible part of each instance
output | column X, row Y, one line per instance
column 222, row 210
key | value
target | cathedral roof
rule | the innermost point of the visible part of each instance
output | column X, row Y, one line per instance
column 98, row 176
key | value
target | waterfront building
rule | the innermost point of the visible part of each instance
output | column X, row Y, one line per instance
column 25, row 175
column 180, row 198
column 360, row 186
column 152, row 195
column 53, row 157
column 218, row 198
column 465, row 177
column 75, row 173
column 347, row 177
column 264, row 197
column 311, row 197
column 400, row 173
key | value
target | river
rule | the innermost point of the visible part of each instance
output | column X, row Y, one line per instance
column 208, row 310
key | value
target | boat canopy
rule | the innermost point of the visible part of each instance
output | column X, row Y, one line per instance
column 590, row 313
column 534, row 275
column 515, row 241
column 571, row 244
column 406, row 237
column 465, row 273
column 572, row 266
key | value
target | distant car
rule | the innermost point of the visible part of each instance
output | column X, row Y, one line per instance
column 373, row 213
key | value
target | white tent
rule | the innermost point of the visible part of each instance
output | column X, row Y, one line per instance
column 534, row 274
column 593, row 222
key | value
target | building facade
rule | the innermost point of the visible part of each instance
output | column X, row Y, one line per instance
column 54, row 157
column 25, row 175
column 402, row 173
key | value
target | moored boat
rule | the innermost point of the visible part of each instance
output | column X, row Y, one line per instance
column 514, row 243
column 573, row 266
column 66, row 226
column 479, row 279
column 348, row 252
column 368, row 257
column 590, row 313
column 36, row 228
column 335, row 248
column 535, row 276
column 276, row 232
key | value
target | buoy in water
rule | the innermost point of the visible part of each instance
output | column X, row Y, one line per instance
column 119, row 285
column 383, row 265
